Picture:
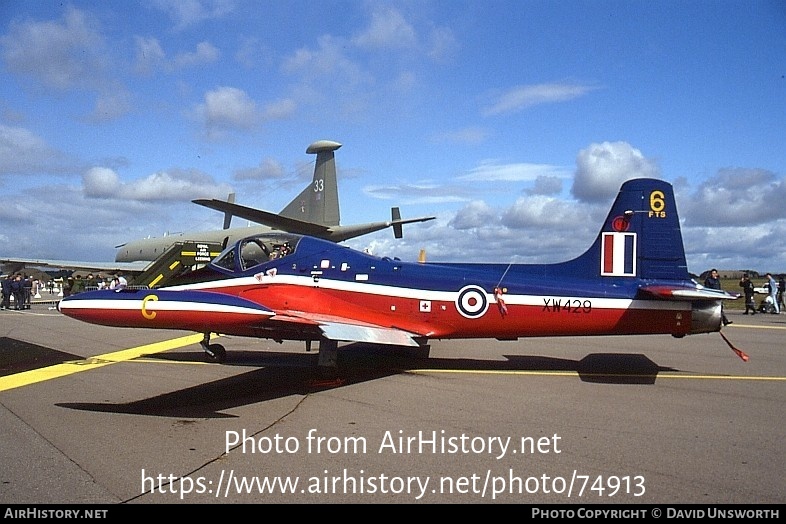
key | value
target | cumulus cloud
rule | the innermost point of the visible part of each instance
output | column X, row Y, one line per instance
column 279, row 109
column 473, row 215
column 226, row 109
column 327, row 63
column 151, row 57
column 110, row 106
column 268, row 169
column 546, row 185
column 736, row 197
column 24, row 153
column 61, row 54
column 188, row 13
column 602, row 168
column 101, row 182
column 229, row 106
column 175, row 185
column 539, row 211
column 387, row 28
column 205, row 53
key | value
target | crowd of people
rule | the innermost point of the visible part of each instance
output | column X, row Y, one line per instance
column 772, row 303
column 19, row 288
column 73, row 285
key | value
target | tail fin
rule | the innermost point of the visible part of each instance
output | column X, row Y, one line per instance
column 395, row 216
column 318, row 203
column 640, row 237
column 228, row 214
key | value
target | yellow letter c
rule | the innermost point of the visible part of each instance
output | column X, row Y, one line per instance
column 150, row 315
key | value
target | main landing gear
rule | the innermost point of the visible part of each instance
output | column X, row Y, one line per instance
column 213, row 352
column 328, row 354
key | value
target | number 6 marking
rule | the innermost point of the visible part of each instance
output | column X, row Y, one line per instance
column 657, row 202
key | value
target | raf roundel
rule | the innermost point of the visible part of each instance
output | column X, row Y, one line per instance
column 471, row 302
column 620, row 224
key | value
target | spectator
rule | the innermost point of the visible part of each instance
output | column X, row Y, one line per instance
column 6, row 291
column 773, row 292
column 18, row 291
column 747, row 288
column 118, row 283
column 713, row 282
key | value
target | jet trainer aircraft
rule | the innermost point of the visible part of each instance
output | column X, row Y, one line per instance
column 633, row 280
column 315, row 211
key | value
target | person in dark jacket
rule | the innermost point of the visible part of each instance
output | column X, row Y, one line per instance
column 68, row 285
column 27, row 296
column 747, row 289
column 18, row 290
column 713, row 282
column 6, row 292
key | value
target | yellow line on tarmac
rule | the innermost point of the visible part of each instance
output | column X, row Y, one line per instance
column 75, row 366
column 577, row 374
column 753, row 326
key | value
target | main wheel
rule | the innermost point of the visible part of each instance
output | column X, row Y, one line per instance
column 216, row 353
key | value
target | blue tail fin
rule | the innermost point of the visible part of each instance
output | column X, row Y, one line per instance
column 640, row 237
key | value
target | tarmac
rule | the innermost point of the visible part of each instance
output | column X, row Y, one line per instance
column 99, row 415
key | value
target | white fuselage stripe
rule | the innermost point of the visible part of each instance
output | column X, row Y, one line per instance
column 159, row 305
column 437, row 296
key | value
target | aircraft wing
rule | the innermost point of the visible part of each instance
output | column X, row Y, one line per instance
column 680, row 293
column 291, row 225
column 376, row 335
column 341, row 330
column 13, row 265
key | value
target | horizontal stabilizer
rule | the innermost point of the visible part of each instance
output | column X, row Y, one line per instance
column 264, row 217
column 292, row 225
column 687, row 293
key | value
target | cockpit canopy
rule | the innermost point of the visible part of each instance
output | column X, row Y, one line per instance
column 257, row 250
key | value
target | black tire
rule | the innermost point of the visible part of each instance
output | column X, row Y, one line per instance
column 219, row 354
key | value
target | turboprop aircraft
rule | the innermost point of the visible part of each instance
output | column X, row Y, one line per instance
column 315, row 211
column 633, row 280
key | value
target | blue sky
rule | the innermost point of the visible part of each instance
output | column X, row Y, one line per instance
column 514, row 122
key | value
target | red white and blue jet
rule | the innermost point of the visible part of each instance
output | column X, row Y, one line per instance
column 633, row 280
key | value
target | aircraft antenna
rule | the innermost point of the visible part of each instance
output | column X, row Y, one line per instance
column 503, row 274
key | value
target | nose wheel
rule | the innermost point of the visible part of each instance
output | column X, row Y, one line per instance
column 213, row 352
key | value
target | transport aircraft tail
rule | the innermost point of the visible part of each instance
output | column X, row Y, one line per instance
column 318, row 202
